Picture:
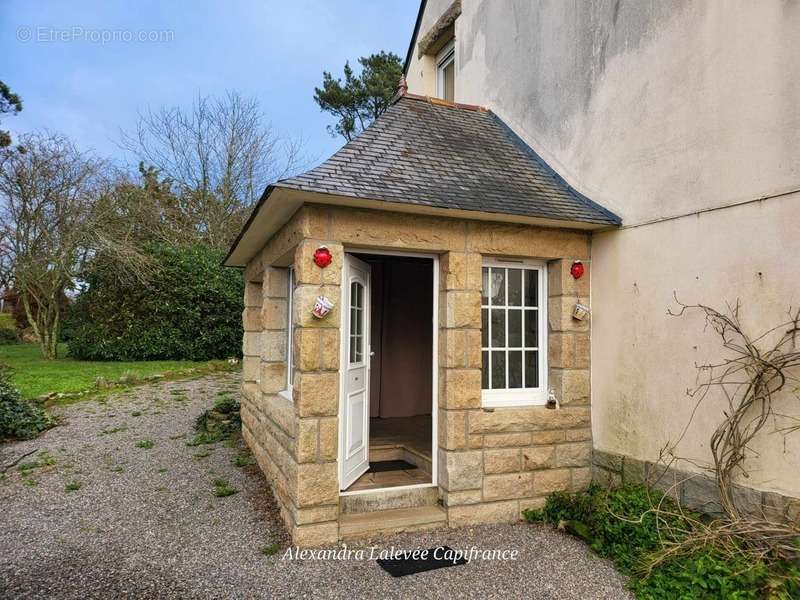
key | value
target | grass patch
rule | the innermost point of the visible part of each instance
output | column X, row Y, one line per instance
column 222, row 488
column 36, row 377
column 270, row 549
column 243, row 460
column 620, row 525
column 114, row 430
column 221, row 422
column 136, row 413
column 204, row 437
column 146, row 444
column 73, row 486
column 43, row 459
column 202, row 454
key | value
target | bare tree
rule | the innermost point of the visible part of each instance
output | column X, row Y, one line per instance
column 55, row 214
column 220, row 155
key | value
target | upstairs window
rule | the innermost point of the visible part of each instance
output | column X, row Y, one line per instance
column 446, row 73
column 513, row 333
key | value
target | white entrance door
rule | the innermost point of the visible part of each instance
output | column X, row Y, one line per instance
column 354, row 413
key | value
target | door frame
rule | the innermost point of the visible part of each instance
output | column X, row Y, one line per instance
column 434, row 374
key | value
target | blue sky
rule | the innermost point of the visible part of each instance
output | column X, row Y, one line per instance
column 272, row 50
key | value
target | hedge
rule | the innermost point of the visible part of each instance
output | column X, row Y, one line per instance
column 189, row 309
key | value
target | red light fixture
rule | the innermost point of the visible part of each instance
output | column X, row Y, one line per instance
column 577, row 269
column 322, row 257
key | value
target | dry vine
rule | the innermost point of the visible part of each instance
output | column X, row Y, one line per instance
column 755, row 372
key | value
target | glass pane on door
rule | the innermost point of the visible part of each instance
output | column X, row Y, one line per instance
column 356, row 322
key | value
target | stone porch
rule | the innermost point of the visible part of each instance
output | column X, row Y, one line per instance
column 492, row 463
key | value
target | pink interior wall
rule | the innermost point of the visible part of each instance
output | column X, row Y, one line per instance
column 402, row 335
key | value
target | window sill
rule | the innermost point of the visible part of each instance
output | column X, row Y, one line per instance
column 512, row 399
column 286, row 395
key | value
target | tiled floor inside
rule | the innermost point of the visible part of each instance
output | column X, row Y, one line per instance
column 401, row 438
column 412, row 432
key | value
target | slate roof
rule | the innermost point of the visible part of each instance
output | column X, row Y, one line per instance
column 426, row 152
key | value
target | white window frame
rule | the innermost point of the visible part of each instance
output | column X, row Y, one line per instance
column 287, row 393
column 521, row 396
column 445, row 57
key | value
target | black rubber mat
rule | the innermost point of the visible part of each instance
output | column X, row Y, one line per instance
column 435, row 558
column 390, row 465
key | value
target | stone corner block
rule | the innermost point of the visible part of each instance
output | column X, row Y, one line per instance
column 462, row 309
column 303, row 302
column 559, row 315
column 317, row 483
column 460, row 470
column 561, row 283
column 460, row 388
column 316, row 394
column 306, row 270
column 453, row 271
column 315, row 535
column 571, row 386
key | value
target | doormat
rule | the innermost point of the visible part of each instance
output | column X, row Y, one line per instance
column 390, row 465
column 399, row 567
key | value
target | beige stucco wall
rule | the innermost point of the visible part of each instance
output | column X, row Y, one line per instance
column 655, row 110
column 651, row 108
column 492, row 463
column 643, row 359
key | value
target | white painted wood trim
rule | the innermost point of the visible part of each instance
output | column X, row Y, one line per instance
column 434, row 374
column 524, row 396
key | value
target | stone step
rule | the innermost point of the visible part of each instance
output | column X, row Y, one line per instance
column 388, row 499
column 379, row 453
column 400, row 452
column 385, row 522
column 417, row 458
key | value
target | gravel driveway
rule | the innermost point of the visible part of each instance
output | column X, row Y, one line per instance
column 106, row 516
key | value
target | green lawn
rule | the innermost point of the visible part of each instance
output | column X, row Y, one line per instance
column 37, row 377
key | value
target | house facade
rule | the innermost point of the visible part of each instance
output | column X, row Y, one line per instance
column 465, row 308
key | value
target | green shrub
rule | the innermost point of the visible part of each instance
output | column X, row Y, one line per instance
column 222, row 488
column 707, row 574
column 269, row 549
column 617, row 524
column 217, row 423
column 8, row 336
column 620, row 525
column 189, row 309
column 21, row 419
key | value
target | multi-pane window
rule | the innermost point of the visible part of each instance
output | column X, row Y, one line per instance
column 513, row 334
column 356, row 322
column 289, row 329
